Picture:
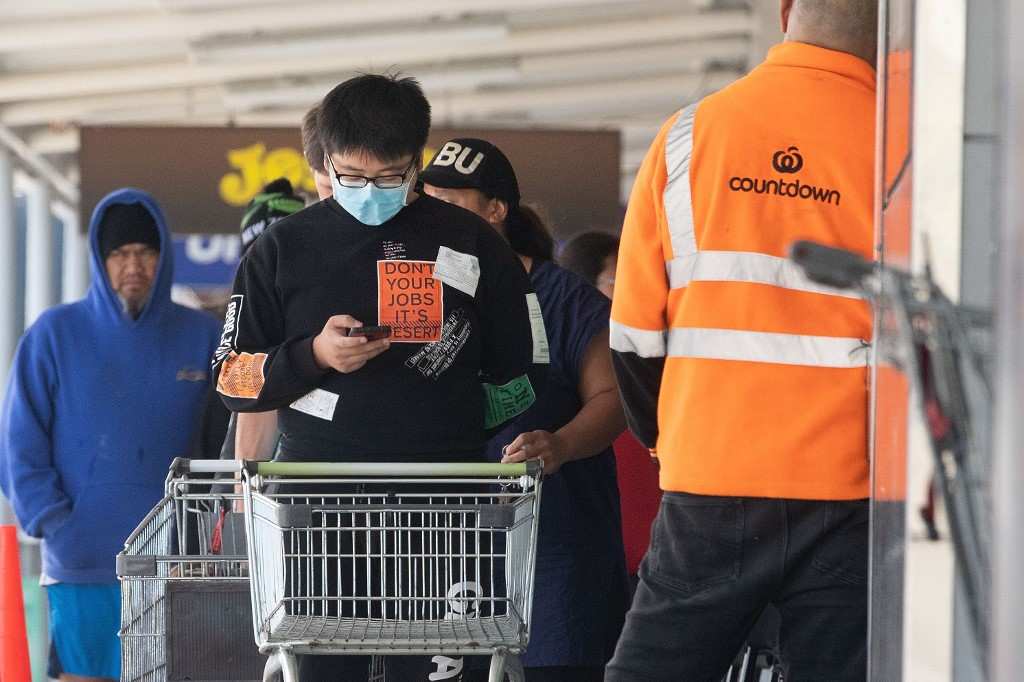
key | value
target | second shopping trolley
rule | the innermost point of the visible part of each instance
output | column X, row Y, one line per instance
column 185, row 601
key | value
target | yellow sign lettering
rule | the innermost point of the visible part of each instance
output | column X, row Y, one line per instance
column 291, row 164
column 253, row 167
column 428, row 156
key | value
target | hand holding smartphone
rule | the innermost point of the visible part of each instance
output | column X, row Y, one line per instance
column 372, row 333
column 338, row 346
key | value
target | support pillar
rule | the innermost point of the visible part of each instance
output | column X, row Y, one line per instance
column 76, row 258
column 1008, row 474
column 9, row 332
column 40, row 260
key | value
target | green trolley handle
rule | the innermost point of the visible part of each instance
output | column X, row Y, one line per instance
column 387, row 469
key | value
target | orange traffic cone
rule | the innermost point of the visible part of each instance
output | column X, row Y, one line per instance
column 14, row 661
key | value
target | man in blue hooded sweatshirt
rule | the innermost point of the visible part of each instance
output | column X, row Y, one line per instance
column 103, row 394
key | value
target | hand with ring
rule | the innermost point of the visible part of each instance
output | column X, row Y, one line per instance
column 548, row 447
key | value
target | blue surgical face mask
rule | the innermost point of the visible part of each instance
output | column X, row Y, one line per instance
column 372, row 205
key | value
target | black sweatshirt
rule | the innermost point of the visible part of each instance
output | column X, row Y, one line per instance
column 423, row 397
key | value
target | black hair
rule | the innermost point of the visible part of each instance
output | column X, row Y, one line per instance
column 312, row 147
column 383, row 115
column 528, row 235
column 586, row 253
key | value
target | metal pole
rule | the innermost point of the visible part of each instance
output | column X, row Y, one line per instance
column 876, row 651
column 1008, row 475
column 39, row 166
column 9, row 332
column 40, row 285
column 76, row 258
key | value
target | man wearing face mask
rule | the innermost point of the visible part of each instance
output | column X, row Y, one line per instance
column 450, row 291
column 376, row 253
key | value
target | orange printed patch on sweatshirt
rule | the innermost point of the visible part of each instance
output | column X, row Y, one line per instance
column 409, row 300
column 241, row 375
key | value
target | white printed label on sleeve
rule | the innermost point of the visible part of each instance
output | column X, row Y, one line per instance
column 458, row 270
column 317, row 403
column 541, row 355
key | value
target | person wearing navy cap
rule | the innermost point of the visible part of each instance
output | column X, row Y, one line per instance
column 581, row 588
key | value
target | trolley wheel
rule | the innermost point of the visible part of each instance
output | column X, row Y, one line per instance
column 514, row 669
column 502, row 663
column 282, row 666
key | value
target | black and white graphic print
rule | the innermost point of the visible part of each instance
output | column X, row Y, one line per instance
column 229, row 335
column 435, row 358
column 390, row 250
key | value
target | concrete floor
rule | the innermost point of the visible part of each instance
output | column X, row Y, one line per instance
column 929, row 612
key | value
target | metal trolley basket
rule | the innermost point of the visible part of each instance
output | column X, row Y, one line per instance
column 392, row 559
column 185, row 602
column 945, row 351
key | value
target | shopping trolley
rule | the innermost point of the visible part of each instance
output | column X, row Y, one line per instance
column 185, row 602
column 392, row 559
column 755, row 665
column 758, row 660
column 945, row 351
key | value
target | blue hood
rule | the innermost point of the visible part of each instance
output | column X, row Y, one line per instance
column 102, row 297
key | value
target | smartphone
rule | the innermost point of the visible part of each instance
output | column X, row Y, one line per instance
column 372, row 333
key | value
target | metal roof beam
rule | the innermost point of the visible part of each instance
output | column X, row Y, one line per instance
column 34, row 162
column 645, row 100
column 185, row 75
column 646, row 59
column 199, row 23
column 660, row 95
column 89, row 109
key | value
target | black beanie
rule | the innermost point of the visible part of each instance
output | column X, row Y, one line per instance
column 276, row 201
column 127, row 224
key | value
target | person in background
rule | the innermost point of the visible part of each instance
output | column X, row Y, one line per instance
column 593, row 256
column 749, row 379
column 103, row 394
column 580, row 591
column 253, row 436
column 313, row 150
column 456, row 363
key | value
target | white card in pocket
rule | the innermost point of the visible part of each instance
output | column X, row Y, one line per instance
column 458, row 270
column 317, row 403
column 541, row 353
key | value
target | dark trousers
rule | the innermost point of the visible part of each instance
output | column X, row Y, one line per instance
column 715, row 564
column 565, row 673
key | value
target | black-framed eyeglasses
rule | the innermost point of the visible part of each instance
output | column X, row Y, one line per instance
column 360, row 181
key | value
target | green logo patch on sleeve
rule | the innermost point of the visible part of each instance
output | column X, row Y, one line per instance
column 504, row 402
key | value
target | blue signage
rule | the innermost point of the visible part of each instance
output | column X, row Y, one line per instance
column 206, row 260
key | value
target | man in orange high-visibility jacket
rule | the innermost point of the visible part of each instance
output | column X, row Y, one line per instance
column 747, row 380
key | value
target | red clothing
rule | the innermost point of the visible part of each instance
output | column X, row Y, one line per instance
column 639, row 496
